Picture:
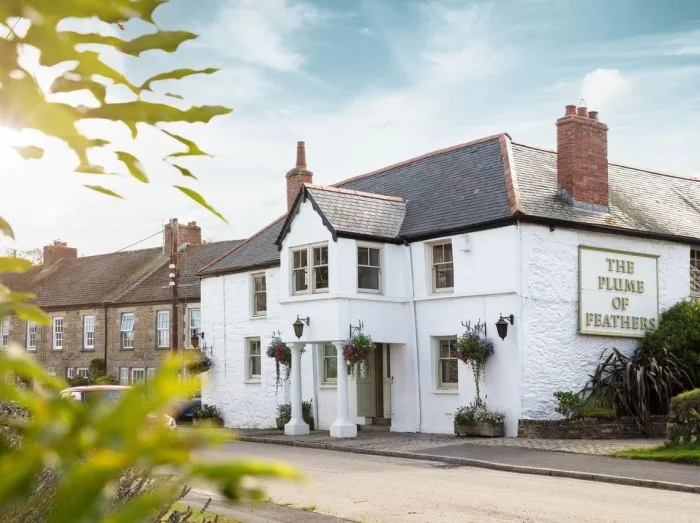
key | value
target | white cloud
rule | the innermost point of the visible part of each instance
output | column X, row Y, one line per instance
column 603, row 88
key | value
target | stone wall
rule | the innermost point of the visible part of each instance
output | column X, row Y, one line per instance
column 588, row 428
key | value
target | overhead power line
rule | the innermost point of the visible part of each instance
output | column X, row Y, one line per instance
column 143, row 240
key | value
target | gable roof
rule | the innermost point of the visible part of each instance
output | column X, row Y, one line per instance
column 351, row 213
column 485, row 183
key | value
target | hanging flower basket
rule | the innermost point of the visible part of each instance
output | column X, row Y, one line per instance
column 278, row 351
column 356, row 351
column 202, row 363
column 474, row 350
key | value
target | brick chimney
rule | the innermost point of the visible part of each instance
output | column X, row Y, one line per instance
column 298, row 176
column 190, row 233
column 582, row 158
column 58, row 251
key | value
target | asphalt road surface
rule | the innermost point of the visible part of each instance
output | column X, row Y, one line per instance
column 378, row 489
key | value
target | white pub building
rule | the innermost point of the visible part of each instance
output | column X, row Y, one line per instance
column 573, row 253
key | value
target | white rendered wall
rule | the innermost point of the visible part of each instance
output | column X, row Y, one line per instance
column 556, row 357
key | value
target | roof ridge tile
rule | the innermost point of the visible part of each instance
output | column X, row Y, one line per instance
column 341, row 190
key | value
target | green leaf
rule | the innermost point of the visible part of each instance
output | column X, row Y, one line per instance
column 167, row 41
column 90, row 169
column 131, row 113
column 177, row 74
column 184, row 172
column 134, row 165
column 12, row 264
column 6, row 229
column 174, row 95
column 30, row 152
column 192, row 148
column 102, row 190
column 32, row 313
column 201, row 201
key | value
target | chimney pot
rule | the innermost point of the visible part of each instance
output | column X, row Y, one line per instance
column 593, row 115
column 570, row 109
column 582, row 111
column 301, row 155
column 298, row 176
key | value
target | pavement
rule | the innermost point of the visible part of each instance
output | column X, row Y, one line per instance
column 369, row 488
column 509, row 455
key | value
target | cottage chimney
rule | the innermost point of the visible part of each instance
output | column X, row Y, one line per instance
column 582, row 158
column 186, row 234
column 298, row 176
column 58, row 251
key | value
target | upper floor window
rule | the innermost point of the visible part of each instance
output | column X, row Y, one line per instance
column 442, row 266
column 162, row 329
column 31, row 335
column 195, row 322
column 4, row 333
column 259, row 295
column 318, row 255
column 369, row 268
column 88, row 332
column 695, row 272
column 330, row 365
column 58, row 332
column 447, row 363
column 127, row 330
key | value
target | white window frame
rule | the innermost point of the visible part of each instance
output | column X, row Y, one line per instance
column 325, row 379
column 434, row 264
column 192, row 330
column 310, row 268
column 139, row 370
column 31, row 336
column 70, row 373
column 126, row 329
column 379, row 267
column 249, row 375
column 82, row 371
column 695, row 272
column 5, row 333
column 259, row 292
column 51, row 371
column 89, row 331
column 439, row 385
column 58, row 328
column 163, row 329
column 124, row 376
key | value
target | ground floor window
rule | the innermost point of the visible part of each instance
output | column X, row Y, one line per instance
column 330, row 365
column 123, row 375
column 51, row 371
column 447, row 363
column 70, row 373
column 83, row 372
column 254, row 358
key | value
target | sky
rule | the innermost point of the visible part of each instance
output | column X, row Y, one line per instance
column 367, row 83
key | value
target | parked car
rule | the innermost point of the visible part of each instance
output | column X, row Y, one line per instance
column 184, row 411
column 90, row 394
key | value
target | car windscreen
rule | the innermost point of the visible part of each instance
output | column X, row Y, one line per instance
column 102, row 396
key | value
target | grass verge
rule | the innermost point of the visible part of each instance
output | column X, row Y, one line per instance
column 197, row 516
column 688, row 453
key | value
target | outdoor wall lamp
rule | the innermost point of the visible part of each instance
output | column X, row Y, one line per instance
column 195, row 338
column 299, row 326
column 502, row 325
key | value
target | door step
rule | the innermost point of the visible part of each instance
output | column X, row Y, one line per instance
column 374, row 428
column 385, row 422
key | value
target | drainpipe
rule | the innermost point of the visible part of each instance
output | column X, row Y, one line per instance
column 106, row 323
column 412, row 305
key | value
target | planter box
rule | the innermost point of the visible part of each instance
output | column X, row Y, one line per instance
column 281, row 422
column 209, row 422
column 476, row 428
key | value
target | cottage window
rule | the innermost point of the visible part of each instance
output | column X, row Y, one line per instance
column 447, row 363
column 138, row 376
column 369, row 268
column 88, row 332
column 57, row 333
column 330, row 365
column 70, row 373
column 259, row 295
column 51, row 371
column 31, row 335
column 443, row 267
column 318, row 254
column 300, row 267
column 695, row 272
column 163, row 329
column 320, row 268
column 127, row 330
column 123, row 375
column 195, row 323
column 5, row 333
column 82, row 372
column 253, row 359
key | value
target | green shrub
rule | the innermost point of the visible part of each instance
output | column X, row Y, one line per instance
column 284, row 414
column 205, row 411
column 684, row 405
column 79, row 381
column 97, row 368
column 106, row 380
column 679, row 333
column 568, row 403
column 595, row 408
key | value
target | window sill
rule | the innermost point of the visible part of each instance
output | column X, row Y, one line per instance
column 258, row 317
column 31, row 350
column 328, row 386
column 163, row 348
column 57, row 350
column 445, row 391
column 370, row 291
column 253, row 381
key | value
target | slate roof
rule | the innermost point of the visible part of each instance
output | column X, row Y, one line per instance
column 485, row 183
column 354, row 213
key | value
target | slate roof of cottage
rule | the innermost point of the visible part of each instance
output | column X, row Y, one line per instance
column 485, row 183
column 137, row 276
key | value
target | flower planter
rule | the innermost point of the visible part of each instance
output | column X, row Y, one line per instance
column 208, row 422
column 481, row 429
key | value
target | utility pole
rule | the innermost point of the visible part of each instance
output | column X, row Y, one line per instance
column 174, row 272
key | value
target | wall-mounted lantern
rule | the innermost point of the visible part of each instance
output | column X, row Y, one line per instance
column 299, row 326
column 502, row 325
column 195, row 338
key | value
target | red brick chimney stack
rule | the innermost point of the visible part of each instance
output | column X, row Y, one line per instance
column 190, row 234
column 298, row 176
column 58, row 251
column 582, row 158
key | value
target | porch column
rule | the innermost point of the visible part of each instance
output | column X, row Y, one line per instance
column 296, row 426
column 342, row 427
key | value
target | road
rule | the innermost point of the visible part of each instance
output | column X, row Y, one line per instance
column 378, row 489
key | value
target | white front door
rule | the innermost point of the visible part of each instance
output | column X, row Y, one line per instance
column 387, row 379
column 366, row 399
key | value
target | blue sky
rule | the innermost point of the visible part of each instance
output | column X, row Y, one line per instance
column 368, row 83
